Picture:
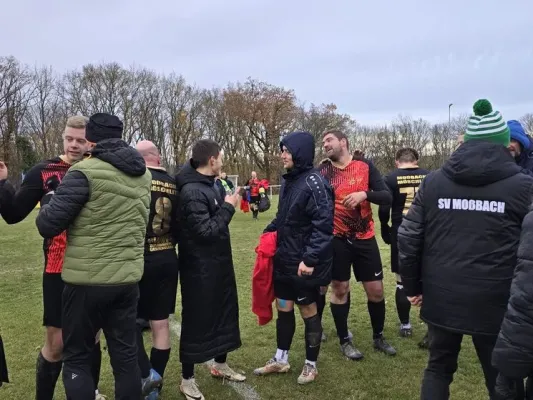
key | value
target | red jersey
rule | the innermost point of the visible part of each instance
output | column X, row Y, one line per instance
column 33, row 189
column 357, row 176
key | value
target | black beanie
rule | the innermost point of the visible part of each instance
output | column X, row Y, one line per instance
column 102, row 126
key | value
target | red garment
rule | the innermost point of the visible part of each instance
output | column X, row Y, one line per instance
column 262, row 281
column 245, row 206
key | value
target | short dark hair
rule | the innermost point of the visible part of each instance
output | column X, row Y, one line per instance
column 202, row 151
column 338, row 134
column 407, row 155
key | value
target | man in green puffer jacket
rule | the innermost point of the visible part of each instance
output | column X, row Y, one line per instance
column 103, row 203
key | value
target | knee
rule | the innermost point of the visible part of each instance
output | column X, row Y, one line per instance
column 340, row 289
column 313, row 330
column 159, row 327
column 54, row 343
column 374, row 292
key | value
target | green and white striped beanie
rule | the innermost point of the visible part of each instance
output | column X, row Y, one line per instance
column 487, row 124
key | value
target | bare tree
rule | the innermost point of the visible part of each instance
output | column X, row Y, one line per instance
column 527, row 123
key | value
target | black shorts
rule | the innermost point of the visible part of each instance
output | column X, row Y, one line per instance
column 158, row 288
column 394, row 264
column 53, row 287
column 302, row 296
column 362, row 255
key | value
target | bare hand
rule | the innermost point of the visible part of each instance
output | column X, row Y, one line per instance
column 234, row 198
column 3, row 171
column 304, row 270
column 415, row 300
column 354, row 199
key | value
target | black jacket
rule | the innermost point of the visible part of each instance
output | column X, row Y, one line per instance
column 74, row 191
column 210, row 310
column 513, row 353
column 304, row 221
column 458, row 242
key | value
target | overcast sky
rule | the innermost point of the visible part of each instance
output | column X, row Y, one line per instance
column 374, row 59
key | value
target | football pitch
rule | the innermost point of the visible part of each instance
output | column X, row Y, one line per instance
column 376, row 377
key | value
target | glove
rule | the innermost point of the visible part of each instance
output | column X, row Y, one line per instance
column 505, row 388
column 51, row 183
column 385, row 233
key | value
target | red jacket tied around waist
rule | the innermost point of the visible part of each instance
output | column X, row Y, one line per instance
column 262, row 285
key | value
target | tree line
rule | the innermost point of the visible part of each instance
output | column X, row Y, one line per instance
column 247, row 118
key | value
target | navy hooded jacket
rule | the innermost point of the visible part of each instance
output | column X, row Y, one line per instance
column 304, row 221
column 525, row 159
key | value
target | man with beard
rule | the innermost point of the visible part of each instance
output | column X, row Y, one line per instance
column 103, row 202
column 403, row 183
column 356, row 184
column 302, row 263
column 38, row 186
column 158, row 286
column 210, row 309
column 458, row 247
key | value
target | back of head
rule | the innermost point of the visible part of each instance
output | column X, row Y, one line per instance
column 202, row 152
column 301, row 145
column 487, row 125
column 407, row 155
column 103, row 126
column 148, row 150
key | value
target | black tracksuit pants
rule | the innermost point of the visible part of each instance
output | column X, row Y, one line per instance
column 86, row 309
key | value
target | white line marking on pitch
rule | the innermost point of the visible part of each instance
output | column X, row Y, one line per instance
column 243, row 389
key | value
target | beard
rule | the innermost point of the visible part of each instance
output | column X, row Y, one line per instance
column 334, row 156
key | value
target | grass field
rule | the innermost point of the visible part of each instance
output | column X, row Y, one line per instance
column 376, row 377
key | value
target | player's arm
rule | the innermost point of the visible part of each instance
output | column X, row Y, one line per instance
column 64, row 206
column 18, row 205
column 320, row 208
column 410, row 245
column 195, row 209
column 378, row 193
column 513, row 353
column 384, row 210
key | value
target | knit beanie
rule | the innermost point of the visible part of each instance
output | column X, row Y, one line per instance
column 519, row 134
column 102, row 126
column 487, row 124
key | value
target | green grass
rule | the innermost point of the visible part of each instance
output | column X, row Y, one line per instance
column 376, row 377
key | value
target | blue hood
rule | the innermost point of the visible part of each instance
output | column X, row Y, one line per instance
column 519, row 134
column 302, row 147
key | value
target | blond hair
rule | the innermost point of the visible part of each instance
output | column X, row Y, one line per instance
column 77, row 122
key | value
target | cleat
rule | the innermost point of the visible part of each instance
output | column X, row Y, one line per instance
column 154, row 381
column 154, row 395
column 349, row 351
column 273, row 367
column 308, row 375
column 424, row 343
column 381, row 344
column 225, row 372
column 406, row 332
column 190, row 389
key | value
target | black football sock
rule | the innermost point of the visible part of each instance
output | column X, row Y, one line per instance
column 47, row 374
column 340, row 317
column 159, row 360
column 313, row 336
column 142, row 357
column 377, row 317
column 320, row 304
column 285, row 327
column 403, row 306
column 187, row 371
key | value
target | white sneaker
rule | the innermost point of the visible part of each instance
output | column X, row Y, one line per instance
column 273, row 367
column 308, row 374
column 190, row 389
column 225, row 372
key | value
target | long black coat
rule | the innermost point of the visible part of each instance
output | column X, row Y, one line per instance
column 513, row 353
column 458, row 242
column 210, row 310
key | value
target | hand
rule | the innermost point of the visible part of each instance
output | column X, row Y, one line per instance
column 415, row 300
column 234, row 199
column 385, row 234
column 304, row 270
column 3, row 171
column 354, row 199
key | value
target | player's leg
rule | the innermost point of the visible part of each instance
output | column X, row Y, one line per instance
column 320, row 305
column 49, row 360
column 97, row 364
column 285, row 327
column 340, row 296
column 306, row 302
column 254, row 205
column 146, row 309
column 369, row 270
column 403, row 306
